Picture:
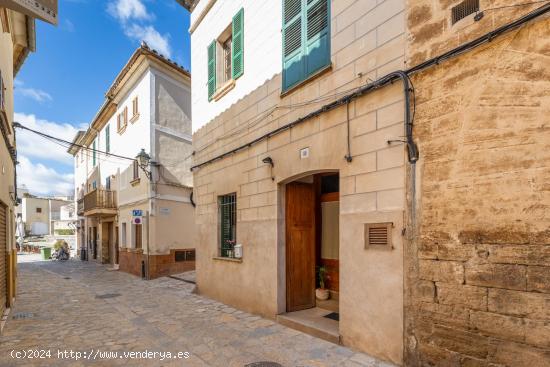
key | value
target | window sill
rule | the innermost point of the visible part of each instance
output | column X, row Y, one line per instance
column 135, row 182
column 134, row 118
column 135, row 250
column 309, row 79
column 230, row 259
column 122, row 130
column 223, row 90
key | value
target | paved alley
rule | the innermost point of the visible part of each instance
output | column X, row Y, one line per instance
column 103, row 316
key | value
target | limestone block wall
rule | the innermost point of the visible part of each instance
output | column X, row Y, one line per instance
column 367, row 42
column 478, row 276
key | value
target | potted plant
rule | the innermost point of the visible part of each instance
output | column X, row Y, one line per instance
column 322, row 293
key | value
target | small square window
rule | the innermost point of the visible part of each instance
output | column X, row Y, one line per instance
column 39, row 210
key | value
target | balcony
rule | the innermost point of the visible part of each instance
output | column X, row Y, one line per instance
column 100, row 202
column 80, row 207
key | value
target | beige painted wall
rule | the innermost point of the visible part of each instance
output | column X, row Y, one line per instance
column 372, row 186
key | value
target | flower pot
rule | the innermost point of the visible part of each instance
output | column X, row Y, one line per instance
column 322, row 294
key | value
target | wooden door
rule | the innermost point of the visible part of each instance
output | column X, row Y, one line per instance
column 116, row 245
column 138, row 235
column 300, row 246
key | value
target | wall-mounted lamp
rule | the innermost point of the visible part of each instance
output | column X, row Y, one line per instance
column 269, row 160
column 143, row 160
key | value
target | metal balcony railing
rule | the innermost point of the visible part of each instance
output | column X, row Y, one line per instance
column 99, row 199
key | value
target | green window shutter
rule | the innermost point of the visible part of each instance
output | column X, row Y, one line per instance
column 107, row 139
column 317, row 41
column 93, row 155
column 237, row 53
column 211, row 70
column 293, row 48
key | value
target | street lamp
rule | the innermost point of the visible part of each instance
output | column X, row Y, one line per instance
column 143, row 160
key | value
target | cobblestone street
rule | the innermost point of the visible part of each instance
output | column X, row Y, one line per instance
column 82, row 306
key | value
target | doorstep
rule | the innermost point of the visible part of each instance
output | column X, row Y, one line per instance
column 313, row 322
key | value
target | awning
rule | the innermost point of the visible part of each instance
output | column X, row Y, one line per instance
column 45, row 10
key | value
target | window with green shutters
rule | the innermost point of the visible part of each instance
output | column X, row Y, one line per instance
column 228, row 224
column 211, row 70
column 107, row 139
column 226, row 56
column 94, row 154
column 237, row 56
column 306, row 39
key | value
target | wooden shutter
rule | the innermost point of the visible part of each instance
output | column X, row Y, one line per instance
column 94, row 157
column 107, row 139
column 317, row 35
column 211, row 70
column 237, row 52
column 293, row 50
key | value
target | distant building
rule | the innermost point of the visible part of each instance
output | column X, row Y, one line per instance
column 39, row 214
column 138, row 215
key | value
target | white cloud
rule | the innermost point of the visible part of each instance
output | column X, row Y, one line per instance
column 33, row 93
column 34, row 146
column 149, row 34
column 125, row 10
column 42, row 180
column 134, row 18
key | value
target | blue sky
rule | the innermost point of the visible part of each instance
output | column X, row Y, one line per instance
column 62, row 85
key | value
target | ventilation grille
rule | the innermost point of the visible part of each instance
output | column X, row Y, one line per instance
column 464, row 9
column 378, row 235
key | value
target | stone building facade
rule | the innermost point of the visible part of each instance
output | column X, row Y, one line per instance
column 135, row 215
column 462, row 277
column 478, row 270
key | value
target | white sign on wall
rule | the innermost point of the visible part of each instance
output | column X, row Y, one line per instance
column 164, row 211
column 45, row 10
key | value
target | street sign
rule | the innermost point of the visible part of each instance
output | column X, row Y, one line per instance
column 137, row 213
column 137, row 220
column 45, row 10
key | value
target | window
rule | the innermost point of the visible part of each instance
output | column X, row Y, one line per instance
column 135, row 107
column 184, row 255
column 94, row 153
column 122, row 120
column 306, row 39
column 94, row 185
column 39, row 210
column 226, row 48
column 108, row 183
column 136, row 170
column 107, row 139
column 227, row 52
column 228, row 224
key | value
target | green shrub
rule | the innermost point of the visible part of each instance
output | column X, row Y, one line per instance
column 58, row 244
column 64, row 232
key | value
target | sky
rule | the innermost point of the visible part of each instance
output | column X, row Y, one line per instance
column 62, row 85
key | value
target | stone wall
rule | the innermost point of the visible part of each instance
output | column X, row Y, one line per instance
column 478, row 276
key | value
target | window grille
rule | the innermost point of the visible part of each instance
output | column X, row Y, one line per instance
column 464, row 9
column 228, row 224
